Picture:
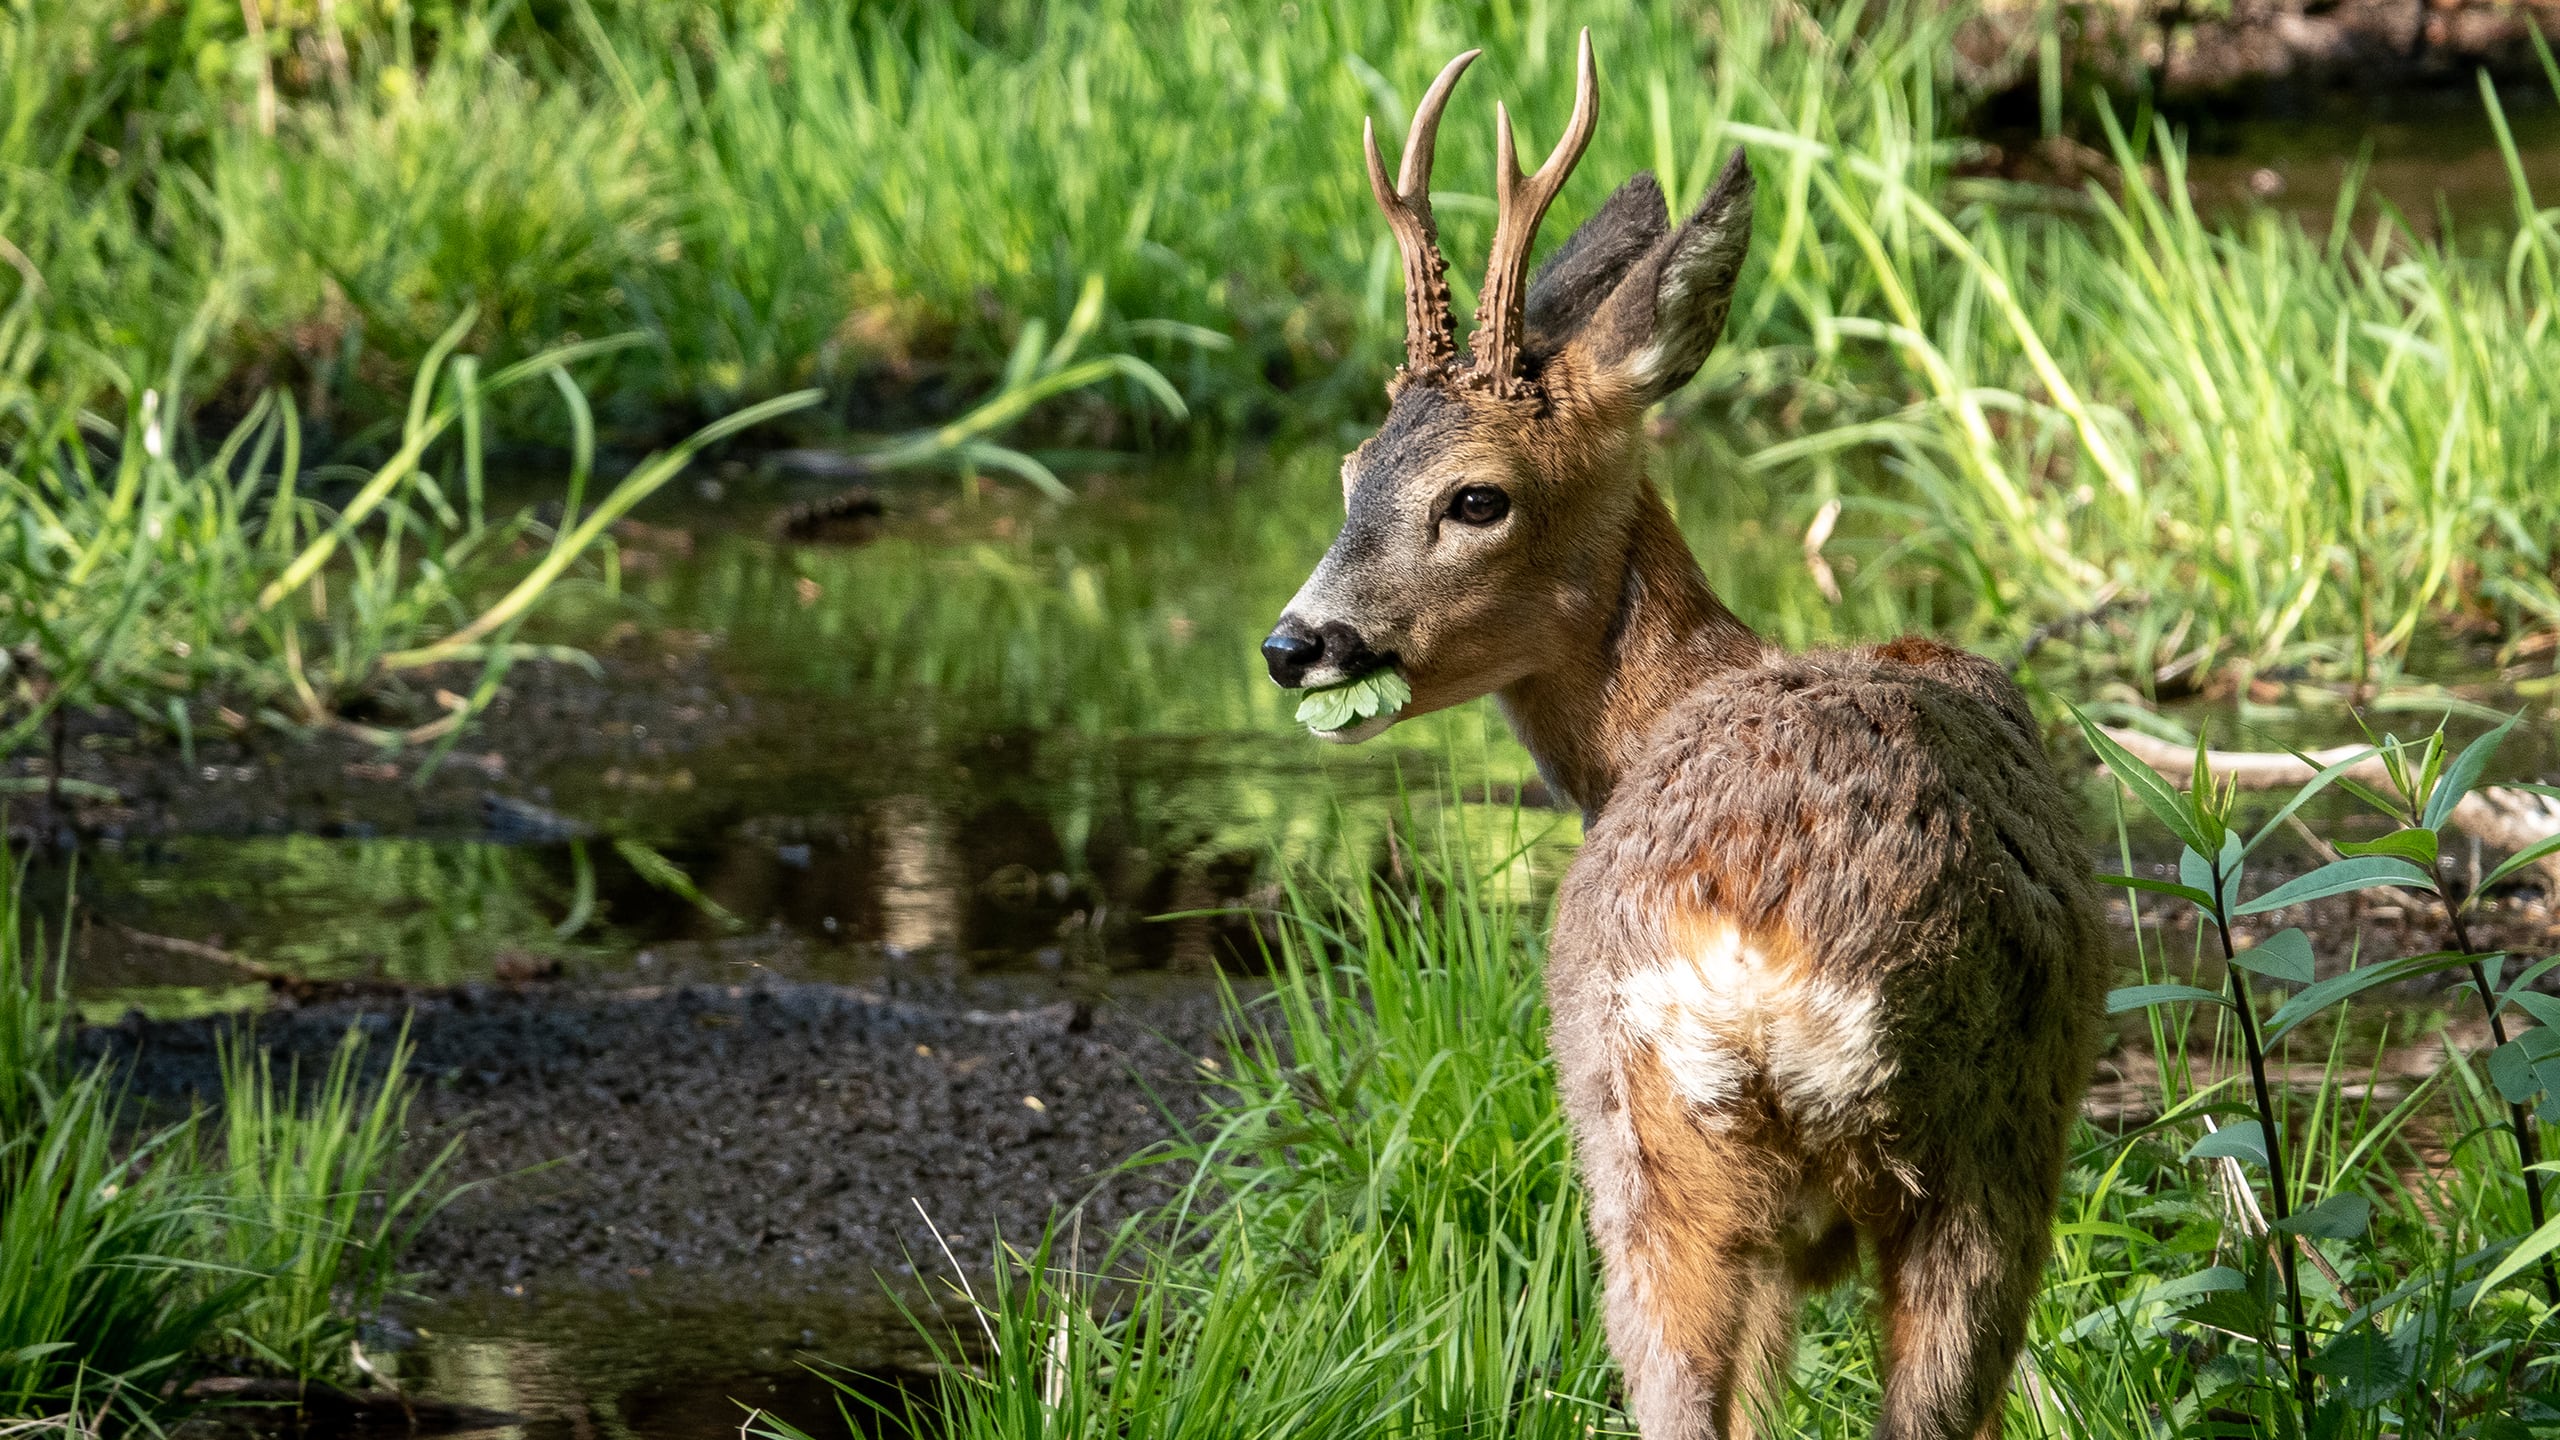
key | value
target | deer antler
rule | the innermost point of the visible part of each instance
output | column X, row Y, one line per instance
column 1430, row 335
column 1522, row 203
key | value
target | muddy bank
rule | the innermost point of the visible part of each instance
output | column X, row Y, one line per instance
column 663, row 699
column 2253, row 51
column 782, row 1135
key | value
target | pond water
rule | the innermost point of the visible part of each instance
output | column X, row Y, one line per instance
column 2431, row 153
column 986, row 748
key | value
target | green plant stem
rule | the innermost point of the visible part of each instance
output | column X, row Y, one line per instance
column 2519, row 1119
column 2277, row 1185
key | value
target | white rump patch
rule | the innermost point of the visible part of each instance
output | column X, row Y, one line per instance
column 1727, row 1011
column 1687, row 1009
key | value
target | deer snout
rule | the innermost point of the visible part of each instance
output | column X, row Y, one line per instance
column 1300, row 654
column 1291, row 650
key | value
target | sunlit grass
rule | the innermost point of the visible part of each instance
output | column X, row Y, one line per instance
column 2272, row 450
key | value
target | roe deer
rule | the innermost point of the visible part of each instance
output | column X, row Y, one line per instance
column 1828, row 967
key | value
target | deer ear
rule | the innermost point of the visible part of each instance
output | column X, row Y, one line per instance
column 1585, row 271
column 1659, row 323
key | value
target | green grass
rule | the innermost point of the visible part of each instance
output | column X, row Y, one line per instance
column 133, row 1254
column 302, row 1181
column 1378, row 1232
column 2281, row 451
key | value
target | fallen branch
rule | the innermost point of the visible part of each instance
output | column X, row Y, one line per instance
column 2494, row 815
column 193, row 950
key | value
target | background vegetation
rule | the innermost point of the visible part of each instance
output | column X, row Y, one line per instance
column 2273, row 450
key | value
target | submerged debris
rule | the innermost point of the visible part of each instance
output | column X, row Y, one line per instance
column 848, row 517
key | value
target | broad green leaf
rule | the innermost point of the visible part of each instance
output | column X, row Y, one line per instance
column 2239, row 1140
column 2242, row 1312
column 2213, row 1280
column 2531, row 854
column 2490, row 965
column 2416, row 846
column 2155, row 794
column 2545, row 1009
column 2143, row 997
column 2368, row 1367
column 2529, row 974
column 2196, row 875
column 2328, row 775
column 2340, row 1217
column 1325, row 709
column 2337, row 878
column 2511, row 1070
column 2462, row 774
column 2285, row 955
column 2193, row 896
column 1336, row 707
column 2492, row 969
column 2314, row 998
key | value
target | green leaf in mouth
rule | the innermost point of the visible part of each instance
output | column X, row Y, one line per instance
column 1338, row 707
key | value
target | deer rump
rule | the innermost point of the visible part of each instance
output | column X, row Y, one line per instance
column 1828, row 967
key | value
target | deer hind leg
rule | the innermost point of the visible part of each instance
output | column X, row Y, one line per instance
column 1958, row 1282
column 1702, row 1276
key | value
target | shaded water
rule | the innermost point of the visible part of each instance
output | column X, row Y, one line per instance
column 997, row 738
column 665, row 1360
column 2431, row 154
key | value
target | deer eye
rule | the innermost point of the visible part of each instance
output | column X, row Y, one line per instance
column 1479, row 505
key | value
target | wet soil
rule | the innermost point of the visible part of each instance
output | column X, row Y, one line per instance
column 666, row 699
column 789, row 1136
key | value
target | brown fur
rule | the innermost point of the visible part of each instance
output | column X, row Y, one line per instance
column 1828, row 966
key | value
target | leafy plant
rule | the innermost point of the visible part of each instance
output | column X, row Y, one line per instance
column 2200, row 817
column 1335, row 707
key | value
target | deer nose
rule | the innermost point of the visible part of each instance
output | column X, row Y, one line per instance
column 1291, row 650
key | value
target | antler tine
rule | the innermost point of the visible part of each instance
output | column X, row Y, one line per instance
column 1521, row 203
column 1430, row 334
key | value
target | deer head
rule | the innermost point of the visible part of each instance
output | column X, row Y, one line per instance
column 1489, row 524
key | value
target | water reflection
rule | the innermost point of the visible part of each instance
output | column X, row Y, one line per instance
column 919, row 877
column 660, row 1362
column 2431, row 154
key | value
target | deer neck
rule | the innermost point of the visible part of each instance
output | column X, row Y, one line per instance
column 1589, row 716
